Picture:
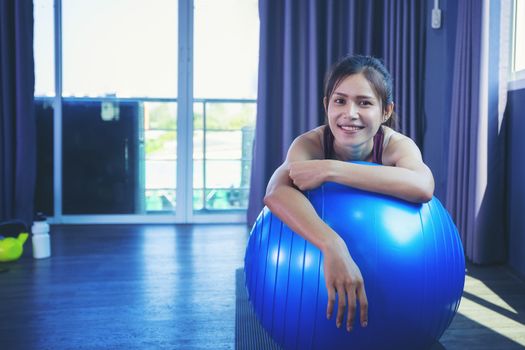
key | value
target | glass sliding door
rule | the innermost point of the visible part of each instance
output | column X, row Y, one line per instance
column 119, row 109
column 43, row 47
column 145, row 109
column 160, row 157
column 225, row 90
column 223, row 138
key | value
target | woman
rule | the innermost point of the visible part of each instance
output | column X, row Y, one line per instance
column 359, row 111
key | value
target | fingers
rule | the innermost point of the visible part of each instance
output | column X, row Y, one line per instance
column 331, row 302
column 341, row 306
column 363, row 305
column 351, row 309
column 304, row 175
column 296, row 180
column 298, row 184
column 348, row 299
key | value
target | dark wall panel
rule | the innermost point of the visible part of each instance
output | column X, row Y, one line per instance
column 99, row 164
column 515, row 183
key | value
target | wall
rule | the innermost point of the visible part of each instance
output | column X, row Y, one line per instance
column 515, row 180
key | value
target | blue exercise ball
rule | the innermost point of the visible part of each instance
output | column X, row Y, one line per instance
column 410, row 256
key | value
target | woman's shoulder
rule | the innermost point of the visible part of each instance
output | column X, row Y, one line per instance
column 310, row 143
column 314, row 136
column 393, row 137
column 393, row 143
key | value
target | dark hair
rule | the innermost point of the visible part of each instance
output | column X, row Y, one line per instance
column 377, row 75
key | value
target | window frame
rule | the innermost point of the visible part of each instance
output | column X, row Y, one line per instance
column 516, row 78
column 184, row 212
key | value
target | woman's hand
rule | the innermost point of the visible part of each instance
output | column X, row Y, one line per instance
column 308, row 174
column 342, row 276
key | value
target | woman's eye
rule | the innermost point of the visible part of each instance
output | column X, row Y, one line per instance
column 339, row 101
column 365, row 103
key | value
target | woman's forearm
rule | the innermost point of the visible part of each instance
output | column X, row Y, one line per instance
column 294, row 209
column 411, row 185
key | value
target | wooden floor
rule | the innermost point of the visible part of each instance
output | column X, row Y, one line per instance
column 173, row 287
column 492, row 312
column 125, row 287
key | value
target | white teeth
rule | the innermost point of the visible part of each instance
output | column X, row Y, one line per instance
column 350, row 128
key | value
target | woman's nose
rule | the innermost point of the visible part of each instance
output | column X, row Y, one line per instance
column 352, row 110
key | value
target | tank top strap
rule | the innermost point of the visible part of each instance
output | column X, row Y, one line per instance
column 328, row 143
column 377, row 152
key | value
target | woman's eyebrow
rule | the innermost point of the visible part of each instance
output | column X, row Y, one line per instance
column 361, row 97
column 365, row 97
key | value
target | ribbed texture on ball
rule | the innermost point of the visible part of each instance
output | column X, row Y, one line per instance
column 410, row 256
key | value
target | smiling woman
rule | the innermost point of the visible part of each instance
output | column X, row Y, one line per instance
column 358, row 104
column 365, row 86
column 355, row 115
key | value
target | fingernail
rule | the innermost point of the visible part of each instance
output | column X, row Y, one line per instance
column 349, row 328
column 364, row 324
column 338, row 324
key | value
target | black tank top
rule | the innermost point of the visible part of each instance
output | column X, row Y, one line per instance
column 377, row 150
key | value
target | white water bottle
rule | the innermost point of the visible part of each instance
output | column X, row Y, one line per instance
column 40, row 231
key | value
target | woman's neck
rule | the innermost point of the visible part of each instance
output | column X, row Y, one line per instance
column 360, row 152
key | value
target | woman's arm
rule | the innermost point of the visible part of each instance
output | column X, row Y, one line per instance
column 342, row 276
column 290, row 204
column 405, row 175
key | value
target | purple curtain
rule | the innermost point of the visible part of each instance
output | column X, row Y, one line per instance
column 17, row 119
column 464, row 122
column 300, row 40
column 476, row 160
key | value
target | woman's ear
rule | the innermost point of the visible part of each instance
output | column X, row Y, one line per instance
column 388, row 112
column 325, row 104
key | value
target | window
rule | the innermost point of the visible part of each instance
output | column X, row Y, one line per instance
column 225, row 88
column 146, row 109
column 518, row 41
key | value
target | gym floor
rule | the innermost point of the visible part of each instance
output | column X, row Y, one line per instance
column 173, row 287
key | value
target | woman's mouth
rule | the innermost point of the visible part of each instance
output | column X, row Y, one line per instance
column 351, row 128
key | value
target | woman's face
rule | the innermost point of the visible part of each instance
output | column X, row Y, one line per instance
column 354, row 113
